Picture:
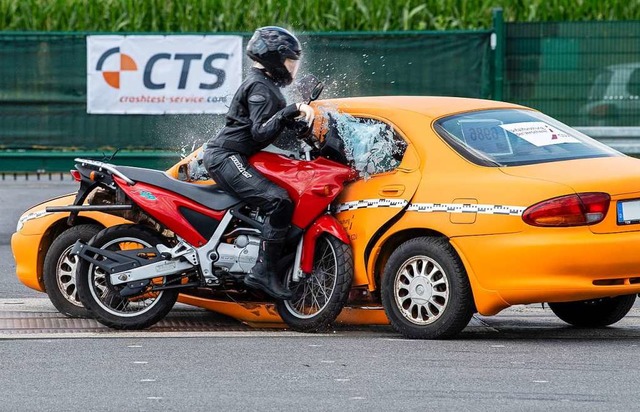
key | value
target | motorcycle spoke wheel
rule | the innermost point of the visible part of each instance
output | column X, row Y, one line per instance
column 103, row 299
column 318, row 299
column 311, row 295
column 108, row 297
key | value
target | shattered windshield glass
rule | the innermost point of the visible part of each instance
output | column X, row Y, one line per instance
column 370, row 146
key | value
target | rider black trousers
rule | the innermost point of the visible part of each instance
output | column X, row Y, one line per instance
column 235, row 175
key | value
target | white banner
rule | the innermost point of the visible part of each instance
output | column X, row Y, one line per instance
column 162, row 74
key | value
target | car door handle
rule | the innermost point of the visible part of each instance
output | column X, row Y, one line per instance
column 391, row 190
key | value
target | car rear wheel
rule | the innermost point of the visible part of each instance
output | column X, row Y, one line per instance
column 59, row 270
column 594, row 313
column 425, row 290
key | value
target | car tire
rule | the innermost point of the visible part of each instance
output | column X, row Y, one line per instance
column 59, row 270
column 594, row 313
column 332, row 269
column 104, row 302
column 425, row 290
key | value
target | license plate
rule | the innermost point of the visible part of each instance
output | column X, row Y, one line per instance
column 628, row 212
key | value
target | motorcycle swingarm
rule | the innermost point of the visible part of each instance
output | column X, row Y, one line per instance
column 127, row 266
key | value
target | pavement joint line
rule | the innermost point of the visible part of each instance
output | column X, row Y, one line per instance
column 143, row 334
column 40, row 310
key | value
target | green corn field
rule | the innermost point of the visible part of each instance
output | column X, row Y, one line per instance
column 301, row 15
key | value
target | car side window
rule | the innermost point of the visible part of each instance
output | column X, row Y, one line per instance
column 634, row 83
column 371, row 146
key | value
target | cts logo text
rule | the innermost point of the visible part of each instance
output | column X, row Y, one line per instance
column 186, row 59
column 158, row 71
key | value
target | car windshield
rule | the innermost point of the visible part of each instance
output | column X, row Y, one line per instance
column 512, row 137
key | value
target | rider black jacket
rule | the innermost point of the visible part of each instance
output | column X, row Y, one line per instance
column 257, row 116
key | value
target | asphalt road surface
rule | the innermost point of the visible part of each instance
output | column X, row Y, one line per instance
column 522, row 359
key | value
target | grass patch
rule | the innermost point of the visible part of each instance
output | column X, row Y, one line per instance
column 308, row 15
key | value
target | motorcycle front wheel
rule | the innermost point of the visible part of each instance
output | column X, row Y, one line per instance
column 103, row 300
column 318, row 298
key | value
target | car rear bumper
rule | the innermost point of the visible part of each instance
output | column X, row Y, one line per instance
column 552, row 265
column 25, row 254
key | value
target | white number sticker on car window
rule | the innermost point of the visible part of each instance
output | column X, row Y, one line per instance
column 539, row 133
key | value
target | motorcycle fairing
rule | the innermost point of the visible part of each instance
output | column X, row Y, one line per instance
column 325, row 224
column 165, row 206
column 296, row 176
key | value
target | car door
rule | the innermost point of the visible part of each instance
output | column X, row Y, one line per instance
column 389, row 175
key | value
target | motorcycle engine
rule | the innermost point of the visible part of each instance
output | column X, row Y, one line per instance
column 239, row 256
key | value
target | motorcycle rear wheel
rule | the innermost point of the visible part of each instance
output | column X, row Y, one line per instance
column 319, row 298
column 102, row 299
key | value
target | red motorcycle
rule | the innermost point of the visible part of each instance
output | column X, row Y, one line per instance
column 186, row 236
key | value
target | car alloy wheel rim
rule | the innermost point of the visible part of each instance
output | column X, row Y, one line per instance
column 313, row 293
column 421, row 290
column 108, row 298
column 66, row 277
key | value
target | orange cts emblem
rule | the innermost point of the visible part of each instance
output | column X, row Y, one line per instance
column 112, row 77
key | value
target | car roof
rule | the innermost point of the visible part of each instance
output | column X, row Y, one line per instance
column 430, row 106
column 623, row 66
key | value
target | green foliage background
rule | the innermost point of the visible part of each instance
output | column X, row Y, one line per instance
column 301, row 15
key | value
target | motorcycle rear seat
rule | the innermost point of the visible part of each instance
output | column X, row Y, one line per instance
column 210, row 196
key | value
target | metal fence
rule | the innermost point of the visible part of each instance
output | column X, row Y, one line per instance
column 586, row 74
column 582, row 73
column 43, row 85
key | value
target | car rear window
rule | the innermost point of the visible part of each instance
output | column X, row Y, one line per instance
column 513, row 137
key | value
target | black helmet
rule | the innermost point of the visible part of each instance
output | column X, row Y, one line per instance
column 270, row 46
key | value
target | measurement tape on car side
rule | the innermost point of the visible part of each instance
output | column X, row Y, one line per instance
column 466, row 208
column 370, row 204
column 431, row 207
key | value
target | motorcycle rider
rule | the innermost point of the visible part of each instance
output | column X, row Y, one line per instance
column 257, row 116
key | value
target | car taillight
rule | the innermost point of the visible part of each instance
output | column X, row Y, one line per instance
column 76, row 175
column 572, row 210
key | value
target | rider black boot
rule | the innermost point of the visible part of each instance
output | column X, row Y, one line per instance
column 263, row 275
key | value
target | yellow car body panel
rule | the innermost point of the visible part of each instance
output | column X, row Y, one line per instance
column 397, row 187
column 265, row 315
column 508, row 262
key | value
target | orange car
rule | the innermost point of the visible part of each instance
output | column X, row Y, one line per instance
column 463, row 206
